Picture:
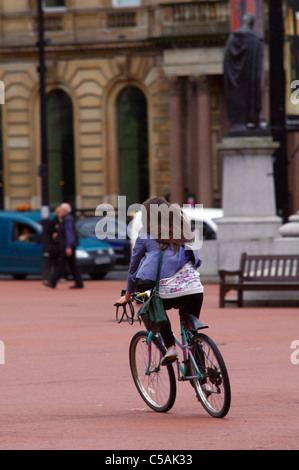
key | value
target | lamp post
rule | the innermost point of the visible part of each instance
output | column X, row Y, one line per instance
column 277, row 106
column 43, row 170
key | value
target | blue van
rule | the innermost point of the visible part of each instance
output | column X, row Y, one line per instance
column 21, row 248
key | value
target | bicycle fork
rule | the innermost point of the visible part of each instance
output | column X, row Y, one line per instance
column 149, row 348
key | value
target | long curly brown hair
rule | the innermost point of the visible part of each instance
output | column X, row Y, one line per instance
column 166, row 223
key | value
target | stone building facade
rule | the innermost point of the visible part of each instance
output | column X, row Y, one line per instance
column 135, row 101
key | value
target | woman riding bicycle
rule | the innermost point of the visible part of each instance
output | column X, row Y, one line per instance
column 164, row 227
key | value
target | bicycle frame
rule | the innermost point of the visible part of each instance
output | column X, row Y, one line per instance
column 182, row 369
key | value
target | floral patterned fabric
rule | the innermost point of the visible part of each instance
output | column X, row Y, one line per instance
column 186, row 281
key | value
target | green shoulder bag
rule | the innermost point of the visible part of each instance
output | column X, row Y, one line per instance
column 152, row 312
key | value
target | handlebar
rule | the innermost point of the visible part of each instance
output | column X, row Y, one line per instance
column 139, row 297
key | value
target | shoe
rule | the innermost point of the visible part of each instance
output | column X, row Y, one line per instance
column 48, row 284
column 76, row 287
column 170, row 356
column 206, row 390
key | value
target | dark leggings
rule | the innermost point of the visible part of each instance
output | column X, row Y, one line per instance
column 186, row 304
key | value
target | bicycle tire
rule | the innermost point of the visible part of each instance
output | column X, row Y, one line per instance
column 157, row 387
column 212, row 366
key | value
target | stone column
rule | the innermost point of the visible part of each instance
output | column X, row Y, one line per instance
column 176, row 143
column 250, row 222
column 203, row 142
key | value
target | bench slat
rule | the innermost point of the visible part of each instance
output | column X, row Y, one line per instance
column 277, row 268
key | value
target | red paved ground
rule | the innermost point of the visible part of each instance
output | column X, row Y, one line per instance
column 66, row 382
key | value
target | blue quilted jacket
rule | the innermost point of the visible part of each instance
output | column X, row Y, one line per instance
column 145, row 261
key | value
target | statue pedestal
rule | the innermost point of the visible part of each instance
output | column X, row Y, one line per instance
column 250, row 222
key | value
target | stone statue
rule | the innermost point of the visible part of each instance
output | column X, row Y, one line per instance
column 243, row 78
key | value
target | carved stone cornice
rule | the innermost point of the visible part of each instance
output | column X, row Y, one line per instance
column 181, row 25
column 75, row 50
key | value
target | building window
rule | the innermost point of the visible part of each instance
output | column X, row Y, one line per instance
column 54, row 3
column 61, row 164
column 133, row 145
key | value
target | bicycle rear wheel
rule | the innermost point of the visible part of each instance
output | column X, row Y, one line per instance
column 213, row 391
column 155, row 383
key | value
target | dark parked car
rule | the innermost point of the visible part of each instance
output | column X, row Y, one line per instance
column 112, row 231
column 21, row 249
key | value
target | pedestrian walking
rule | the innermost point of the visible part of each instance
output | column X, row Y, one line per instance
column 67, row 241
column 50, row 240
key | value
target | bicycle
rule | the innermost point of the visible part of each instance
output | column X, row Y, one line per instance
column 202, row 365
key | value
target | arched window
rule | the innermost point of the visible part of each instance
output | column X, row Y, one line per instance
column 133, row 145
column 61, row 165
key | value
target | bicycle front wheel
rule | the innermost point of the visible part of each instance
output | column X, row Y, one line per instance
column 213, row 389
column 155, row 383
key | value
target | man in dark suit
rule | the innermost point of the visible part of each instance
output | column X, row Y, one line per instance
column 67, row 240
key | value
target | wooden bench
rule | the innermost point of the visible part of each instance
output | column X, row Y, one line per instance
column 260, row 273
